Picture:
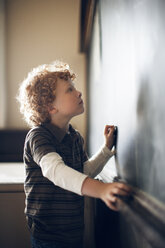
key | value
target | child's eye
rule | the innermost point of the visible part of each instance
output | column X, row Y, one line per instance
column 70, row 89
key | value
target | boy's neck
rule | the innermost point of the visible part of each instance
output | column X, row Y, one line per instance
column 62, row 124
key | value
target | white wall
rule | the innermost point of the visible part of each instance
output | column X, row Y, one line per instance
column 39, row 31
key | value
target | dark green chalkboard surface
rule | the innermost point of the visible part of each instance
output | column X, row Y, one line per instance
column 127, row 89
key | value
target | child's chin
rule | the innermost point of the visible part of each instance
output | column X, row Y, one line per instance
column 80, row 112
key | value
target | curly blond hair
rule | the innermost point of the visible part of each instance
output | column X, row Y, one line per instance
column 38, row 91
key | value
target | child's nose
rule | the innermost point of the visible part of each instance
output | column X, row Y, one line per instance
column 79, row 93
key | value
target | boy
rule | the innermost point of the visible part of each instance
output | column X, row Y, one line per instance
column 55, row 159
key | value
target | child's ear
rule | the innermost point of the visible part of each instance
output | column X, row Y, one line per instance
column 52, row 110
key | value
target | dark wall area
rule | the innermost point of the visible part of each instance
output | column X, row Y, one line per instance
column 127, row 88
column 11, row 145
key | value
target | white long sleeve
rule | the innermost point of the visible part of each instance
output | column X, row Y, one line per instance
column 54, row 168
column 96, row 163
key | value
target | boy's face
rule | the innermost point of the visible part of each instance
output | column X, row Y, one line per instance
column 68, row 102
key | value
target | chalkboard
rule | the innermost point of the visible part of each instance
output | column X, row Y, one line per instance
column 127, row 89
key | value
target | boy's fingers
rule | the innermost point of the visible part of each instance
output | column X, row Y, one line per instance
column 124, row 187
column 108, row 129
column 111, row 203
column 113, row 207
column 117, row 191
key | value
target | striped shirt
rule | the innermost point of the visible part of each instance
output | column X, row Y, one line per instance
column 52, row 212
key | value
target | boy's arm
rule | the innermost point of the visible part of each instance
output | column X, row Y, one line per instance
column 54, row 168
column 105, row 191
column 65, row 177
column 96, row 163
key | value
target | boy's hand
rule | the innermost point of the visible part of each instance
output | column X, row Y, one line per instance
column 110, row 191
column 107, row 192
column 109, row 136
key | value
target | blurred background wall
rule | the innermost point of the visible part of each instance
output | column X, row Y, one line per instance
column 32, row 32
column 35, row 32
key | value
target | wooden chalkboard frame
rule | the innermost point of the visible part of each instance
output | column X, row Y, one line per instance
column 86, row 22
column 146, row 215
